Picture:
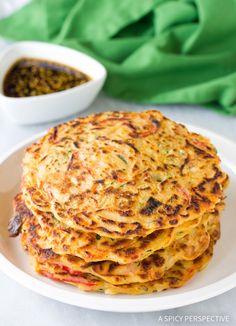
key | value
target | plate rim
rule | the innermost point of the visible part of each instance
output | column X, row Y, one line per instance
column 126, row 304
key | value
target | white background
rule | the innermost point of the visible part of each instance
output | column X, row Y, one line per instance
column 19, row 306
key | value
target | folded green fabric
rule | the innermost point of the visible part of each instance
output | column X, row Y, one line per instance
column 155, row 51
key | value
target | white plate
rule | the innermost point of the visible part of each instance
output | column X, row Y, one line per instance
column 219, row 277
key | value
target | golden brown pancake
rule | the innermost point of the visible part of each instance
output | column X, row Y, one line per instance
column 122, row 174
column 187, row 247
column 175, row 277
column 120, row 202
column 91, row 247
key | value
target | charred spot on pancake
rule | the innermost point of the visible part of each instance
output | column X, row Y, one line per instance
column 201, row 186
column 159, row 221
column 72, row 258
column 77, row 219
column 173, row 222
column 158, row 260
column 186, row 160
column 158, row 275
column 121, row 225
column 76, row 122
column 108, row 221
column 20, row 207
column 112, row 266
column 15, row 223
column 172, row 210
column 99, row 181
column 179, row 273
column 114, row 175
column 117, row 141
column 137, row 229
column 184, row 215
column 14, row 226
column 216, row 235
column 156, row 122
column 65, row 247
column 70, row 162
column 195, row 203
column 143, row 276
column 54, row 134
column 67, row 230
column 48, row 253
column 146, row 265
column 76, row 144
column 216, row 188
column 126, row 213
column 151, row 237
column 32, row 227
column 173, row 281
column 204, row 199
column 217, row 174
column 118, row 243
column 106, row 230
column 33, row 231
column 197, row 260
column 198, row 150
column 151, row 205
column 129, row 251
column 132, row 146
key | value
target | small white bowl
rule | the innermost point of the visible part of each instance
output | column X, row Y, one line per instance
column 55, row 106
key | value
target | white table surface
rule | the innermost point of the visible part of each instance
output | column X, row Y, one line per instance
column 19, row 306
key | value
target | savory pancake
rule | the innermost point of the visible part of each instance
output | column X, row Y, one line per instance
column 120, row 202
column 175, row 277
column 91, row 247
column 188, row 247
column 122, row 174
column 149, row 269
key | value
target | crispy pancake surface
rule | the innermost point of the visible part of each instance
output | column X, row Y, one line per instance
column 174, row 277
column 91, row 247
column 122, row 174
column 187, row 247
column 120, row 202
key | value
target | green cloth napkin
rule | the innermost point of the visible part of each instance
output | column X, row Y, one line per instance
column 155, row 51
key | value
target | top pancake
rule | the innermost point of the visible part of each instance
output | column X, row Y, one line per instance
column 122, row 174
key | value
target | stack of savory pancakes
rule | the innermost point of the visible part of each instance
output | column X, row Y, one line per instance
column 120, row 202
